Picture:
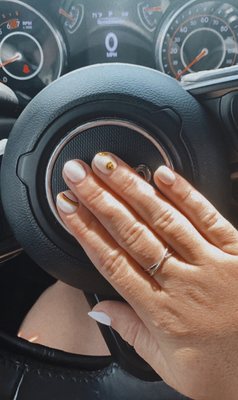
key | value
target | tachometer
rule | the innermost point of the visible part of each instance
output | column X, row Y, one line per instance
column 30, row 49
column 201, row 36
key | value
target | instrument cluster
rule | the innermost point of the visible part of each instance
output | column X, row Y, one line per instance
column 41, row 40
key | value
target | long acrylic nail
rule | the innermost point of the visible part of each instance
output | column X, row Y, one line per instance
column 74, row 171
column 67, row 202
column 100, row 317
column 105, row 163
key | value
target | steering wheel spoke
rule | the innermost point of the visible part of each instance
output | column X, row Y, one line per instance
column 217, row 90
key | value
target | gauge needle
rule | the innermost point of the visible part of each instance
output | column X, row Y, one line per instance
column 66, row 14
column 10, row 60
column 153, row 9
column 199, row 57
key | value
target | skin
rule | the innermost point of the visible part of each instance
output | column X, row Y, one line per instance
column 59, row 320
column 184, row 320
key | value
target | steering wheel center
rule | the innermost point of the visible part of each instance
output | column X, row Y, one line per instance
column 108, row 130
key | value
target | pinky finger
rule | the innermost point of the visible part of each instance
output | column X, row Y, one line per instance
column 198, row 209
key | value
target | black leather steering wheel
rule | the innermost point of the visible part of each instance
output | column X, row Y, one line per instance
column 143, row 116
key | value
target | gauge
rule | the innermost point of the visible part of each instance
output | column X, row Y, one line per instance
column 201, row 36
column 150, row 13
column 28, row 59
column 72, row 16
column 30, row 49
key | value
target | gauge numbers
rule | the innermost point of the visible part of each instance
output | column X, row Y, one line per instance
column 30, row 49
column 202, row 36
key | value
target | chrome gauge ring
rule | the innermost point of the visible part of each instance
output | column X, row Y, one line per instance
column 200, row 36
column 30, row 48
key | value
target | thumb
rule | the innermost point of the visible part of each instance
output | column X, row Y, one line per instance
column 124, row 320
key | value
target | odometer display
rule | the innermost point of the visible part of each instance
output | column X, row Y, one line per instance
column 201, row 36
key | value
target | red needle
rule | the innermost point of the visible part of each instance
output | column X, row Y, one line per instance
column 10, row 60
column 153, row 9
column 66, row 14
column 201, row 55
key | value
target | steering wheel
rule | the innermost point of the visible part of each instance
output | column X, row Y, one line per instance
column 147, row 119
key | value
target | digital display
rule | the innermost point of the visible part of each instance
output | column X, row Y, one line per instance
column 110, row 45
column 115, row 35
column 111, row 17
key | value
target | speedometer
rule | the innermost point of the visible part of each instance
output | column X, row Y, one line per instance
column 31, row 50
column 201, row 36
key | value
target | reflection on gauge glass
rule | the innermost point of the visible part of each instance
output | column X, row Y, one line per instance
column 30, row 50
column 201, row 36
column 151, row 11
column 72, row 16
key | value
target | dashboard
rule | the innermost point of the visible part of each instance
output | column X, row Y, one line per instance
column 40, row 40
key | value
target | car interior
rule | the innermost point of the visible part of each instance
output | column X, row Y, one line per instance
column 155, row 82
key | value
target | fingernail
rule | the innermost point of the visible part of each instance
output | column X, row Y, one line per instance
column 74, row 171
column 67, row 202
column 100, row 317
column 105, row 163
column 166, row 175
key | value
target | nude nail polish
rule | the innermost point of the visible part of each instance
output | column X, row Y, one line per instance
column 166, row 175
column 74, row 171
column 67, row 202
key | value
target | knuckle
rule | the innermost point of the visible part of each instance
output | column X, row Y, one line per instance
column 129, row 184
column 185, row 195
column 164, row 220
column 210, row 219
column 111, row 262
column 172, row 326
column 95, row 197
column 81, row 230
column 131, row 235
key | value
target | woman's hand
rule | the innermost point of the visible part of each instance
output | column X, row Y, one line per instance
column 183, row 320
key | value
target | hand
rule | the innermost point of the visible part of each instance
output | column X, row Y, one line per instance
column 184, row 320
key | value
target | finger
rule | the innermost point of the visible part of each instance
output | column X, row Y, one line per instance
column 198, row 209
column 128, row 230
column 124, row 320
column 123, row 273
column 164, row 219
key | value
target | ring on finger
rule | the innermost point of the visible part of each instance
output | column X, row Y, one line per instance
column 155, row 267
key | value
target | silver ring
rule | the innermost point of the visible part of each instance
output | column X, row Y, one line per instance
column 155, row 267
